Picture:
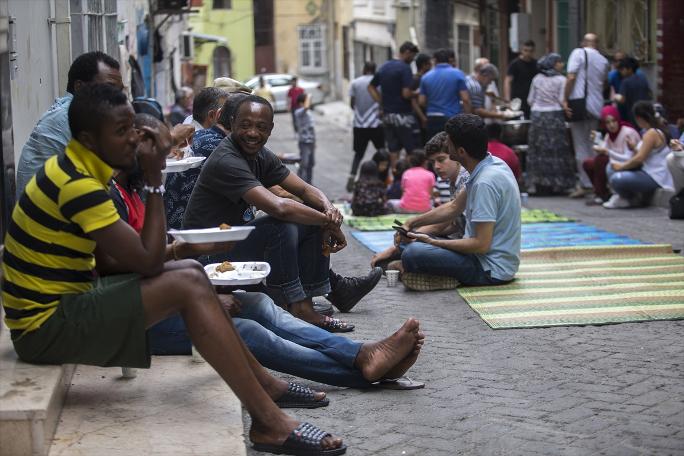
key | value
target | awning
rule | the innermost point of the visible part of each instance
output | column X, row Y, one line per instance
column 203, row 37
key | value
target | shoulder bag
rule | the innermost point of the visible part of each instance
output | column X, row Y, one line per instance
column 578, row 106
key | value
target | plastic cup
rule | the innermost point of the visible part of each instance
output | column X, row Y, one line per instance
column 524, row 197
column 196, row 357
column 392, row 277
column 129, row 372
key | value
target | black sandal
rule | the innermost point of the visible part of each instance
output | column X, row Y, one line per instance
column 335, row 325
column 305, row 441
column 300, row 396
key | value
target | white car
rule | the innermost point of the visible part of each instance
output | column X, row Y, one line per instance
column 280, row 83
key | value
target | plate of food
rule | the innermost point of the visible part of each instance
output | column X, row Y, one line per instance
column 237, row 273
column 184, row 164
column 222, row 233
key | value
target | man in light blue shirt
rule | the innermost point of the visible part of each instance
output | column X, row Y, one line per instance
column 489, row 253
column 442, row 90
column 51, row 134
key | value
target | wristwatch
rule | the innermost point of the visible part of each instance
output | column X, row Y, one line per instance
column 149, row 189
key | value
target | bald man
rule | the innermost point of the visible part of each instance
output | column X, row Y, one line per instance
column 490, row 89
column 585, row 64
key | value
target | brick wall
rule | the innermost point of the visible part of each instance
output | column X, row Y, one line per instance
column 670, row 32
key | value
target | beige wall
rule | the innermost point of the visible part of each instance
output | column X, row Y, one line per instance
column 288, row 14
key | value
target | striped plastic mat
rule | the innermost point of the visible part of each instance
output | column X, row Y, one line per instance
column 585, row 285
column 385, row 222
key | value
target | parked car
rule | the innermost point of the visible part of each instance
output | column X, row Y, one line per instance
column 280, row 83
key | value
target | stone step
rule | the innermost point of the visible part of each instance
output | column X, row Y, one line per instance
column 31, row 399
column 176, row 407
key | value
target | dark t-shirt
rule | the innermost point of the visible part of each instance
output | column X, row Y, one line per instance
column 226, row 176
column 634, row 88
column 522, row 73
column 393, row 76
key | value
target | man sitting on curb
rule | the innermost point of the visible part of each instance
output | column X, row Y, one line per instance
column 234, row 184
column 278, row 340
column 58, row 312
column 437, row 151
column 489, row 253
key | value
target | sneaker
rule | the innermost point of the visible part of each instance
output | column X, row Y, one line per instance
column 426, row 282
column 348, row 291
column 616, row 202
column 350, row 184
column 579, row 192
column 595, row 201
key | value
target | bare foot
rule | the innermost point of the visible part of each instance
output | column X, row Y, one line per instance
column 405, row 364
column 375, row 359
column 277, row 431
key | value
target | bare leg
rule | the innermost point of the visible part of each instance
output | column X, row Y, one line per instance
column 185, row 288
column 386, row 254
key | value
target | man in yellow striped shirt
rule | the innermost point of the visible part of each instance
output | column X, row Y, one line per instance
column 59, row 312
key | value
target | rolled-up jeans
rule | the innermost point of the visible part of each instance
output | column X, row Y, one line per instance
column 278, row 341
column 424, row 258
column 299, row 270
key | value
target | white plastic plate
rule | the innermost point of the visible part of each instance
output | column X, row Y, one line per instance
column 235, row 233
column 177, row 166
column 247, row 273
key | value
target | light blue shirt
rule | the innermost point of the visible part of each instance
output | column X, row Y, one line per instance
column 49, row 137
column 492, row 196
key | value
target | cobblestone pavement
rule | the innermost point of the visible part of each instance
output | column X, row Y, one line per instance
column 603, row 390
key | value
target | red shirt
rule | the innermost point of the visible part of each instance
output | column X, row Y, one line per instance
column 505, row 153
column 292, row 94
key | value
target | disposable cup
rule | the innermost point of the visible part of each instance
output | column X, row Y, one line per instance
column 196, row 357
column 392, row 277
column 129, row 372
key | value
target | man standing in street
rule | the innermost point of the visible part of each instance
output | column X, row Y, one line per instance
column 292, row 96
column 367, row 125
column 395, row 78
column 519, row 76
column 441, row 92
column 587, row 68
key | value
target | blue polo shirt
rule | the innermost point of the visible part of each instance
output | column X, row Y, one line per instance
column 493, row 196
column 393, row 76
column 442, row 86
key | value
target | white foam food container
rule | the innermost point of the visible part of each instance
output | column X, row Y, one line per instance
column 245, row 273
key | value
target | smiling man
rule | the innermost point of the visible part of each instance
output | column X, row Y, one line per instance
column 489, row 252
column 234, row 184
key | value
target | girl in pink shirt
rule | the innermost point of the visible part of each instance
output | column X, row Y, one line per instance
column 417, row 184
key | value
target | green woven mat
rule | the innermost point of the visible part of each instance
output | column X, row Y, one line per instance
column 584, row 285
column 384, row 222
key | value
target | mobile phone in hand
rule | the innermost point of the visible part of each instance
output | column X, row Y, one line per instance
column 401, row 230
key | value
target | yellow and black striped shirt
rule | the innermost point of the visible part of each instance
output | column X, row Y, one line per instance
column 48, row 252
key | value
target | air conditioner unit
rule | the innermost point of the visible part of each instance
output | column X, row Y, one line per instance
column 187, row 46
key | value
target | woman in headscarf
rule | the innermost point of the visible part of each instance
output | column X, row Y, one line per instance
column 615, row 149
column 550, row 163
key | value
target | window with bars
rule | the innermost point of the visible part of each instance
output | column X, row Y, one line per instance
column 312, row 50
column 624, row 25
column 463, row 47
column 94, row 27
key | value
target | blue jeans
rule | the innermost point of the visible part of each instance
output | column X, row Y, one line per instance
column 299, row 270
column 631, row 183
column 278, row 341
column 306, row 153
column 429, row 259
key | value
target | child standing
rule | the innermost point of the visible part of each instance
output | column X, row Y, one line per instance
column 416, row 184
column 369, row 192
column 306, row 137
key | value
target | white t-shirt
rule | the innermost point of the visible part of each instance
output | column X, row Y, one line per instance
column 598, row 68
column 365, row 108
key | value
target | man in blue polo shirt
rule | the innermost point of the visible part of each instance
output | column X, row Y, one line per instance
column 442, row 90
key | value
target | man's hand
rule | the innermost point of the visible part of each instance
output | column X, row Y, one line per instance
column 566, row 108
column 334, row 215
column 231, row 305
column 333, row 240
column 152, row 151
column 421, row 237
column 181, row 134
